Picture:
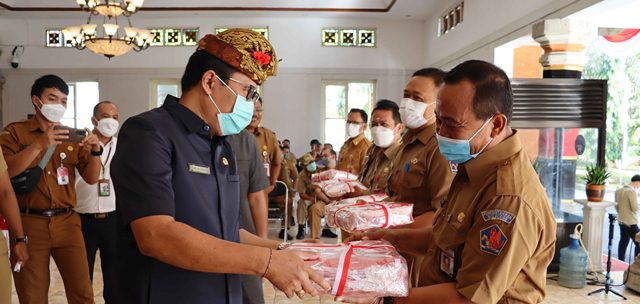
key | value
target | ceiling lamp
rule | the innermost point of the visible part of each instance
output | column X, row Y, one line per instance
column 110, row 39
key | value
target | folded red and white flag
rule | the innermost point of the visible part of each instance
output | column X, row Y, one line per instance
column 363, row 215
column 333, row 174
column 360, row 269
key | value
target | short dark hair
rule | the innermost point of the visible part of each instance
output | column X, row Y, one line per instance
column 49, row 82
column 286, row 139
column 493, row 92
column 199, row 63
column 285, row 147
column 314, row 142
column 388, row 105
column 635, row 178
column 96, row 108
column 434, row 73
column 362, row 113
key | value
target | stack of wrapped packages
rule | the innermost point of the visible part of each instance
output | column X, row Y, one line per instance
column 336, row 183
column 360, row 269
column 367, row 212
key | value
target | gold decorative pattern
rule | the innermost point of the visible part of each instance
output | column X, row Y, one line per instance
column 247, row 42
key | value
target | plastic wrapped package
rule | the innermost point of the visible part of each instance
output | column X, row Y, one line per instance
column 360, row 269
column 336, row 188
column 363, row 216
column 333, row 174
column 331, row 208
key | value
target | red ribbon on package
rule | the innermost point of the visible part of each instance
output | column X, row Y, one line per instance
column 343, row 267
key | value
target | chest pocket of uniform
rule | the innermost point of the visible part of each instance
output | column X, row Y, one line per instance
column 414, row 174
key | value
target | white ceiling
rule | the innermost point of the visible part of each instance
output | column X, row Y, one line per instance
column 400, row 9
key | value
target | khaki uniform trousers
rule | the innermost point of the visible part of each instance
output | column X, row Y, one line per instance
column 59, row 237
column 316, row 212
column 280, row 201
column 5, row 272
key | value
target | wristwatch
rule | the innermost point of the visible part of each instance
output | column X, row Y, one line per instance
column 387, row 300
column 24, row 239
column 99, row 153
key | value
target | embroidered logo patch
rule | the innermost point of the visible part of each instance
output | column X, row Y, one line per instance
column 453, row 167
column 497, row 214
column 492, row 240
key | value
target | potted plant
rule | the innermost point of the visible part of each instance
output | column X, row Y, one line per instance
column 596, row 179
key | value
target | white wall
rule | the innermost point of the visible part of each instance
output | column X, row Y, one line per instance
column 292, row 100
column 488, row 24
column 296, row 40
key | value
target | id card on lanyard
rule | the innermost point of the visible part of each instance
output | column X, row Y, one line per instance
column 104, row 184
column 267, row 166
column 62, row 173
column 450, row 261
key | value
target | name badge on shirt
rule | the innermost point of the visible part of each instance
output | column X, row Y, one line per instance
column 62, row 174
column 104, row 187
column 199, row 169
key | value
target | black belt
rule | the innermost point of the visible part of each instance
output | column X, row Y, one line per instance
column 45, row 212
column 97, row 216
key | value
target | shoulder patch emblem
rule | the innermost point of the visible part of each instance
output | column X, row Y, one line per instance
column 492, row 240
column 497, row 214
column 454, row 167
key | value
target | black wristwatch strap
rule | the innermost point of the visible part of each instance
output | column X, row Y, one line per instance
column 23, row 239
column 99, row 153
column 387, row 300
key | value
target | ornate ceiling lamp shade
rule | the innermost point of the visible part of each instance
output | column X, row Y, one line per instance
column 110, row 39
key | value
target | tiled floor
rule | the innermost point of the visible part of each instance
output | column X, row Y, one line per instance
column 555, row 293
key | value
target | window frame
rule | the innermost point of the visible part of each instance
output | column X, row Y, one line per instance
column 153, row 89
column 323, row 104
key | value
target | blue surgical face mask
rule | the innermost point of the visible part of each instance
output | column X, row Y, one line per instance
column 458, row 151
column 234, row 122
column 312, row 167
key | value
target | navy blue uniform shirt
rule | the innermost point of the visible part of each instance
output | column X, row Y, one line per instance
column 167, row 163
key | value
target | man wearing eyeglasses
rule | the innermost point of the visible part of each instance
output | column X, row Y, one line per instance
column 354, row 149
column 177, row 187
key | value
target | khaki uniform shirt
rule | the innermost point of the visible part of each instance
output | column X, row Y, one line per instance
column 268, row 147
column 352, row 153
column 627, row 206
column 289, row 173
column 420, row 174
column 377, row 167
column 3, row 163
column 303, row 183
column 47, row 194
column 496, row 230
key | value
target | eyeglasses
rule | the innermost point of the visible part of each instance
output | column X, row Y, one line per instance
column 252, row 91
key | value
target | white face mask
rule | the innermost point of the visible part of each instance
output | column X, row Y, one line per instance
column 353, row 130
column 108, row 126
column 382, row 137
column 412, row 112
column 52, row 112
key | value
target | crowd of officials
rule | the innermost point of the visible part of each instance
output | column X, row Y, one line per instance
column 177, row 205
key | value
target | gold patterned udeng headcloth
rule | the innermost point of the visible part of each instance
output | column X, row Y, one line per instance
column 248, row 51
